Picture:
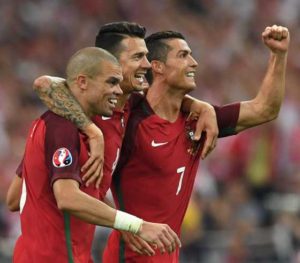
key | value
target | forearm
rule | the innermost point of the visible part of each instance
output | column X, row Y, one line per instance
column 271, row 94
column 88, row 209
column 55, row 94
column 71, row 199
column 109, row 202
column 266, row 105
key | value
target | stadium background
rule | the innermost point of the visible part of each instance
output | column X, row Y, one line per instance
column 245, row 206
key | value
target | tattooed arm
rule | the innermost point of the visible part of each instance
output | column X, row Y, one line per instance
column 55, row 94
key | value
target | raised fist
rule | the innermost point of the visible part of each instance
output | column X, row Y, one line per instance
column 276, row 38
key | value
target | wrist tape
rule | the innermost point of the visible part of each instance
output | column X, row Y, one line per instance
column 127, row 222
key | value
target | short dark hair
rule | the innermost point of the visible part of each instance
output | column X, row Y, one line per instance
column 110, row 35
column 88, row 61
column 158, row 47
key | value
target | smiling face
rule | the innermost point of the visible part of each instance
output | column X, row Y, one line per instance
column 134, row 64
column 104, row 89
column 180, row 67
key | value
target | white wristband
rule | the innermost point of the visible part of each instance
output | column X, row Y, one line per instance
column 127, row 222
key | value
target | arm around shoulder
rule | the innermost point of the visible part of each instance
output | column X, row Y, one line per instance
column 43, row 83
column 55, row 94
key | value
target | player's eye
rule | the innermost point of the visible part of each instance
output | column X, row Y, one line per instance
column 138, row 56
column 183, row 54
column 113, row 81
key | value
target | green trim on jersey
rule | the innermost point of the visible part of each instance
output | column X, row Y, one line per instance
column 122, row 251
column 119, row 194
column 68, row 237
column 147, row 111
column 121, row 205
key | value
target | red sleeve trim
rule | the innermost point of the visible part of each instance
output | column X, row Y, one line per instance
column 227, row 117
column 55, row 177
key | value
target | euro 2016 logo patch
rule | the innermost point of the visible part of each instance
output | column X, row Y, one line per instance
column 62, row 158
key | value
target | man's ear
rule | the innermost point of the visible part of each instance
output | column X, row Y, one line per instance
column 157, row 66
column 82, row 81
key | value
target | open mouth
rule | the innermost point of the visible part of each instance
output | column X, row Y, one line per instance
column 113, row 102
column 140, row 77
column 190, row 74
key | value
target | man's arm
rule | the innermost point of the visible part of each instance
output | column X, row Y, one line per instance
column 55, row 94
column 71, row 199
column 13, row 194
column 135, row 243
column 266, row 105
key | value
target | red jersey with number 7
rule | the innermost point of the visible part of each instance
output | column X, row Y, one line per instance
column 155, row 175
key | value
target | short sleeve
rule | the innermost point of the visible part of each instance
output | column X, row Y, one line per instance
column 227, row 117
column 62, row 149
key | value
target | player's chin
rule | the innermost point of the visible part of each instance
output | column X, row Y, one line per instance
column 138, row 86
column 189, row 88
column 108, row 111
column 138, row 89
column 191, row 85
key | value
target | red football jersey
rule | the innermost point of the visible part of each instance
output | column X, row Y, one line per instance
column 113, row 129
column 55, row 150
column 156, row 172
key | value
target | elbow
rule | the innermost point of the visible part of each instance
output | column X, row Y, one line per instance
column 271, row 113
column 66, row 193
column 274, row 117
column 65, row 201
column 13, row 208
column 63, row 204
column 265, row 112
column 12, row 205
column 41, row 82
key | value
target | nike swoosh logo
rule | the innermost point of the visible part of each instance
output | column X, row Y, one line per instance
column 157, row 144
column 105, row 118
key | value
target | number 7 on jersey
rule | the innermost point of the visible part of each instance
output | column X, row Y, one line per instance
column 180, row 171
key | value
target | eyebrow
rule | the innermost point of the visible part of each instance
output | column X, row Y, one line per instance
column 140, row 54
column 113, row 80
column 184, row 51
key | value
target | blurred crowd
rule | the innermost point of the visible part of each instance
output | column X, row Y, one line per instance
column 246, row 203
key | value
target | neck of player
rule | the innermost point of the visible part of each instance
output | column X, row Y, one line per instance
column 122, row 101
column 165, row 101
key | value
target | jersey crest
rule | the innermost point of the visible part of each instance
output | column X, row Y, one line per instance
column 194, row 146
column 62, row 158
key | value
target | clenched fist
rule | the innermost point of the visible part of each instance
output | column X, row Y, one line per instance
column 276, row 38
